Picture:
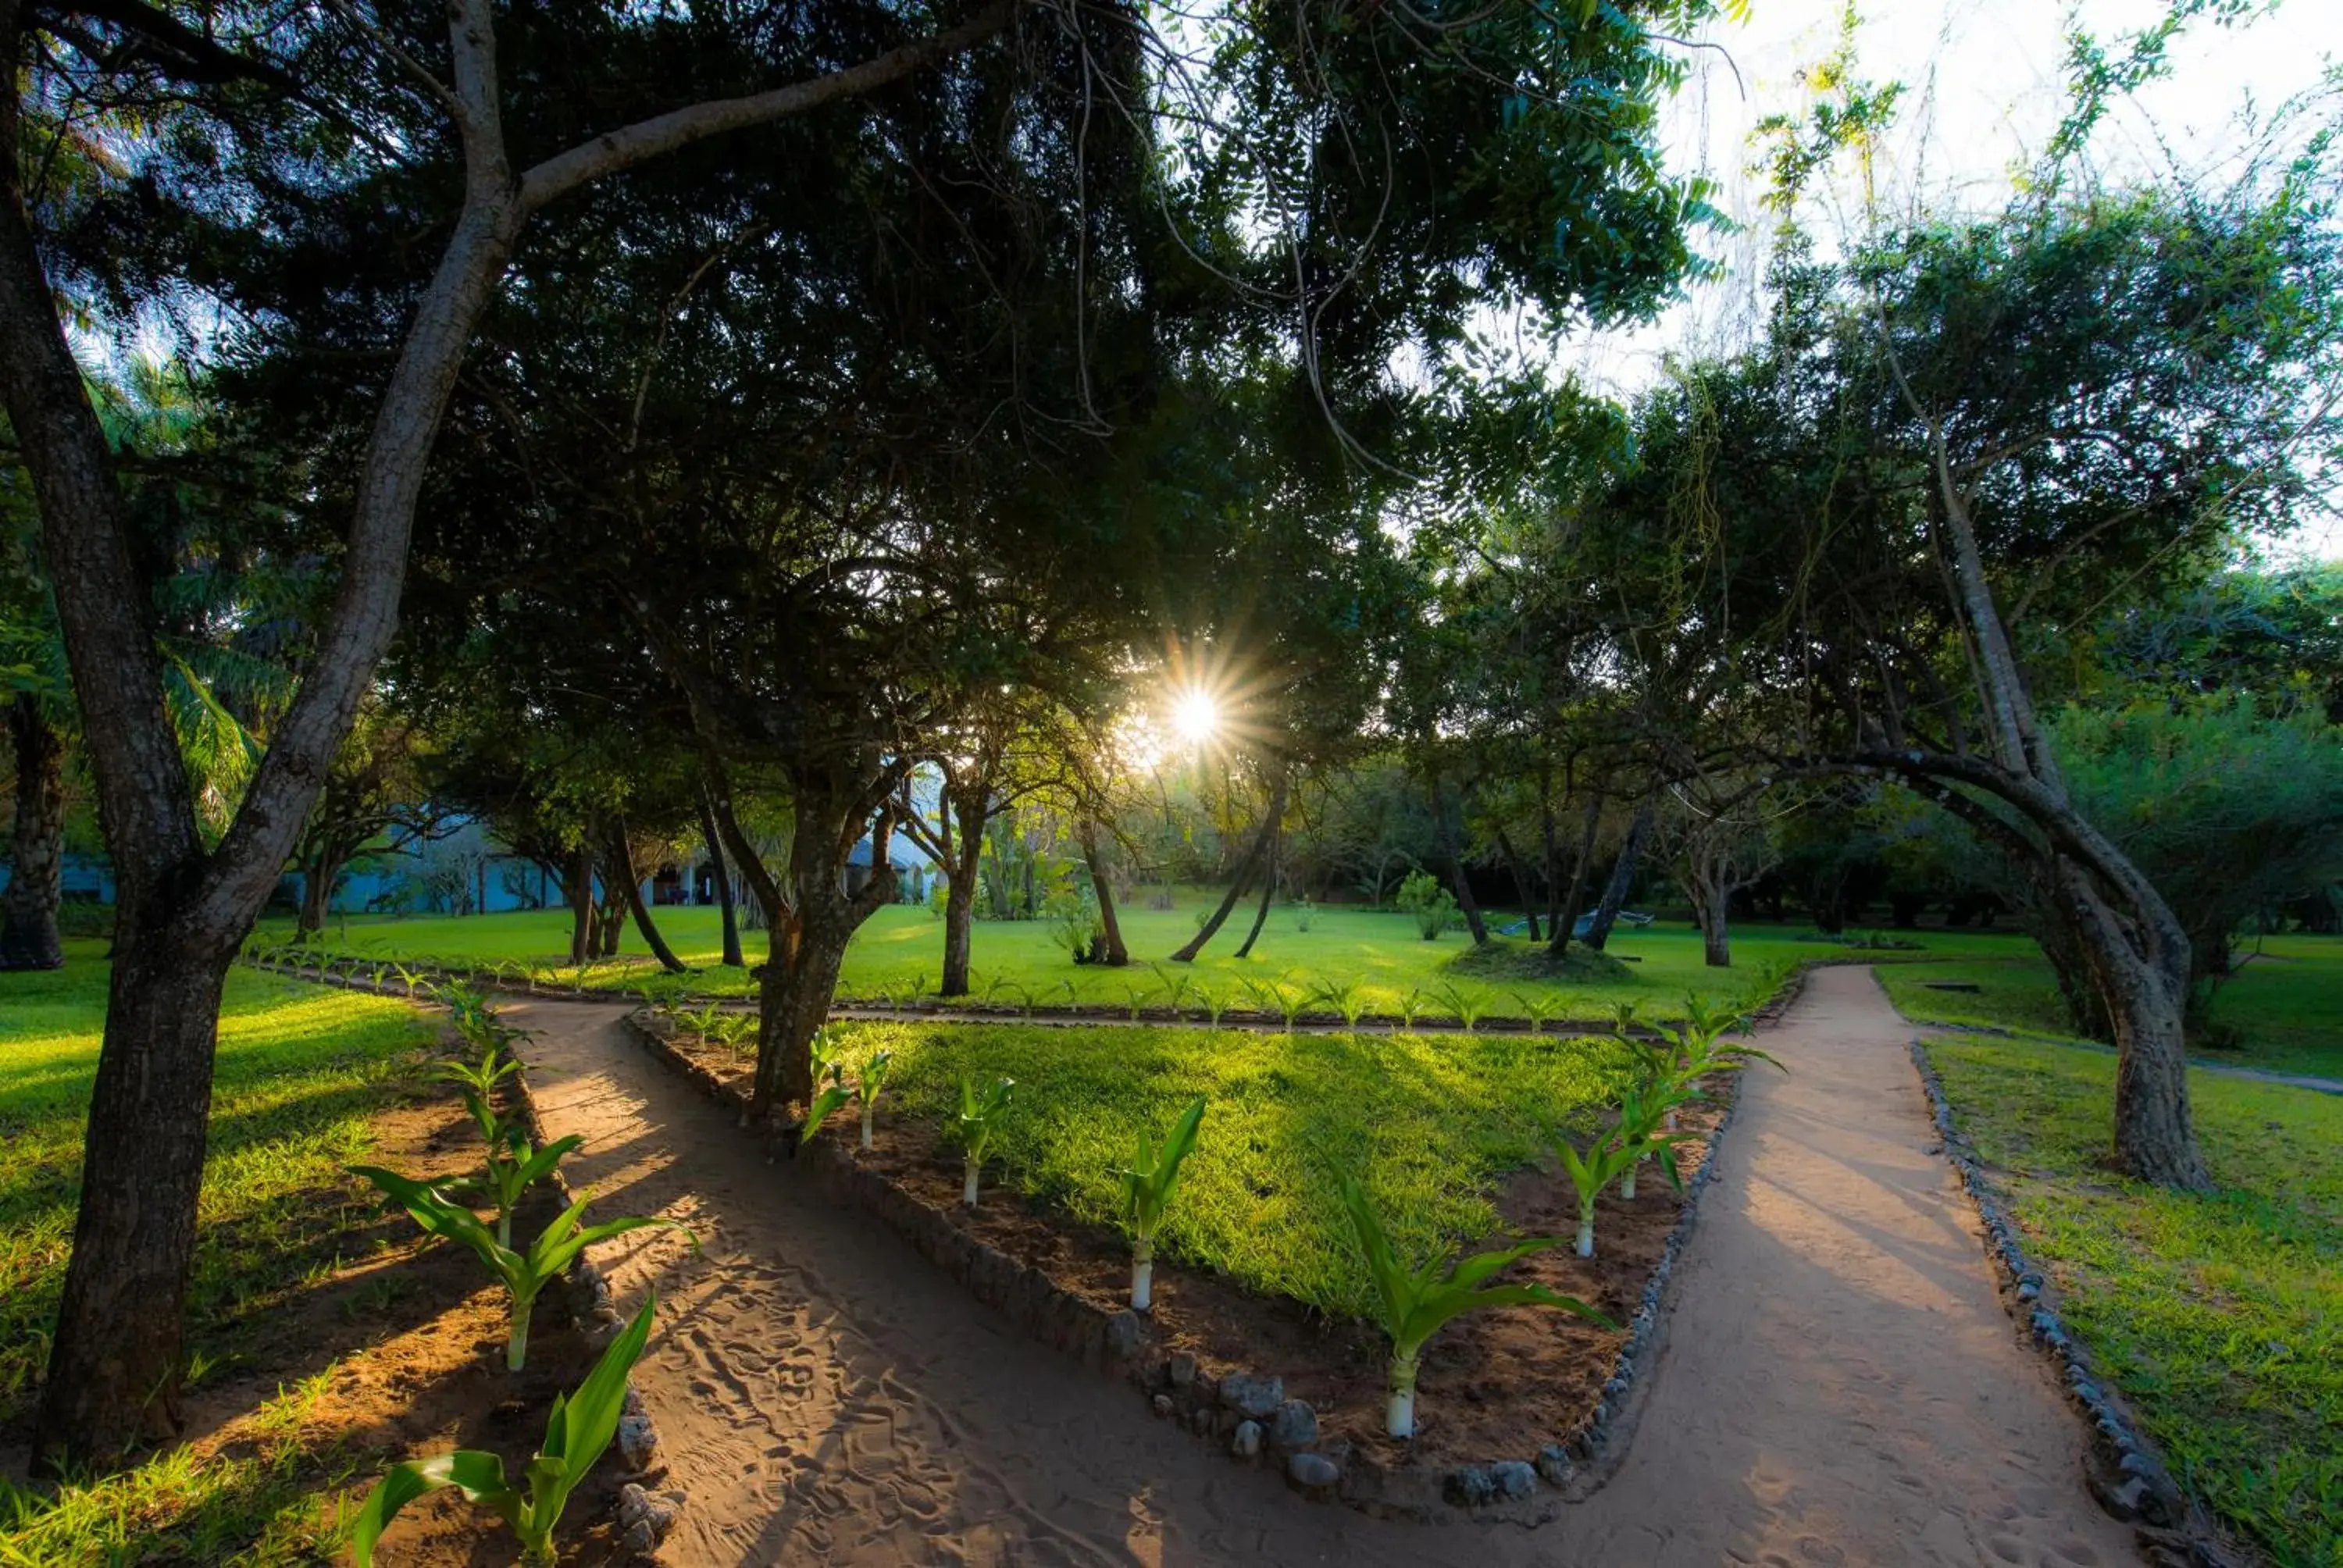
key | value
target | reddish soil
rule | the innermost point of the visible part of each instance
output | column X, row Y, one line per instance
column 1492, row 1385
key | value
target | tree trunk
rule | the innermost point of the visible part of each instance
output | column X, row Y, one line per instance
column 28, row 915
column 968, row 811
column 1622, row 877
column 318, row 874
column 580, row 889
column 1187, row 955
column 800, row 976
column 1451, row 846
column 622, row 859
column 1713, row 908
column 732, row 956
column 115, row 1367
column 1116, row 956
column 1566, row 915
column 1521, row 883
column 1268, row 891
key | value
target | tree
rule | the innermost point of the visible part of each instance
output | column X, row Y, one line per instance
column 374, row 788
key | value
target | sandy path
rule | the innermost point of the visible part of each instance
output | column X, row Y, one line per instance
column 1839, row 1385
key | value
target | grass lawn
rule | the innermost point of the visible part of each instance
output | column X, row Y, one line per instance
column 1429, row 1123
column 2285, row 1006
column 2220, row 1317
column 900, row 953
column 301, row 1071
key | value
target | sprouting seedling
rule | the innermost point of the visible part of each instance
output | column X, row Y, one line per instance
column 1344, row 997
column 826, row 1051
column 1410, row 1007
column 1410, row 1305
column 577, row 1431
column 1604, row 1162
column 1073, row 1001
column 1134, row 999
column 409, row 978
column 1147, row 1184
column 523, row 1274
column 834, row 1098
column 1466, row 1006
column 1215, row 1002
column 979, row 1121
column 1540, row 1008
column 1175, row 989
column 1647, row 1129
column 869, row 1084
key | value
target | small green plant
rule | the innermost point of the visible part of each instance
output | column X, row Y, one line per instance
column 1540, row 1008
column 1305, row 914
column 1267, row 997
column 1147, row 1184
column 1466, row 1006
column 1134, row 999
column 1604, row 1161
column 834, row 1097
column 979, row 1119
column 869, row 1084
column 1215, row 1004
column 1410, row 1007
column 577, row 1432
column 523, row 1274
column 1647, row 1129
column 1345, row 999
column 1433, row 905
column 1413, row 1304
column 1175, row 989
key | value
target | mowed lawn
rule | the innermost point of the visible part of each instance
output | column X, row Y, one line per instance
column 302, row 1070
column 1429, row 1124
column 2285, row 1005
column 2219, row 1316
column 1387, row 967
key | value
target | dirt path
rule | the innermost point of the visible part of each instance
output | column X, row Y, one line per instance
column 1839, row 1383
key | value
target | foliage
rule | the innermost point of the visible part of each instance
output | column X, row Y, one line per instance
column 1412, row 1303
column 1153, row 1173
column 869, row 1084
column 981, row 1116
column 523, row 1274
column 577, row 1430
column 1429, row 901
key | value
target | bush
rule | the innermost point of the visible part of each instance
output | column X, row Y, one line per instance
column 1433, row 906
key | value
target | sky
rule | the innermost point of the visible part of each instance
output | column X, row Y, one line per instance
column 1984, row 89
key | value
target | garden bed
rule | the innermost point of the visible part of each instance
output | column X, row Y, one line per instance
column 1513, row 1405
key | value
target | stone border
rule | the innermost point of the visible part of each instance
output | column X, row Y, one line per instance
column 1249, row 1412
column 645, row 1518
column 2128, row 1476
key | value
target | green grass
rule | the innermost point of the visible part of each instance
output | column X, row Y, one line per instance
column 900, row 953
column 2220, row 1316
column 1429, row 1123
column 301, row 1073
column 2286, row 1009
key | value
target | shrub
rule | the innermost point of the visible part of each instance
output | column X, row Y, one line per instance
column 1433, row 905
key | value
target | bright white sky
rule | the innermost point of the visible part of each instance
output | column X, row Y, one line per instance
column 1984, row 89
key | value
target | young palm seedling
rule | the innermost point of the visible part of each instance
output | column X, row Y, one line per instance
column 1411, row 1304
column 1345, row 997
column 576, row 1434
column 1606, row 1161
column 1647, row 1127
column 1466, row 1006
column 980, row 1115
column 1147, row 1186
column 523, row 1274
column 869, row 1084
column 1176, row 990
column 835, row 1097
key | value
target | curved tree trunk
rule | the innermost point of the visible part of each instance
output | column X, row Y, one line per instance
column 580, row 889
column 1622, row 877
column 732, row 955
column 800, row 977
column 1565, row 914
column 1187, row 955
column 28, row 914
column 1521, row 883
column 1268, row 891
column 1116, row 956
column 622, row 860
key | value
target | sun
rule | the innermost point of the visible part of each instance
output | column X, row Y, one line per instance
column 1196, row 716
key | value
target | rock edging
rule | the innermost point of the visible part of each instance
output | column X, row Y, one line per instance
column 2128, row 1476
column 1247, row 1413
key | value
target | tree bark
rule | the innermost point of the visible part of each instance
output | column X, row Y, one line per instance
column 732, row 955
column 965, row 854
column 622, row 860
column 1566, row 916
column 580, row 889
column 319, row 873
column 1116, row 955
column 1268, row 891
column 800, row 976
column 1453, row 849
column 1622, row 877
column 1187, row 955
column 1711, row 905
column 28, row 915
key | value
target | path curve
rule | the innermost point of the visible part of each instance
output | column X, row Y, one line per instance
column 1838, row 1383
